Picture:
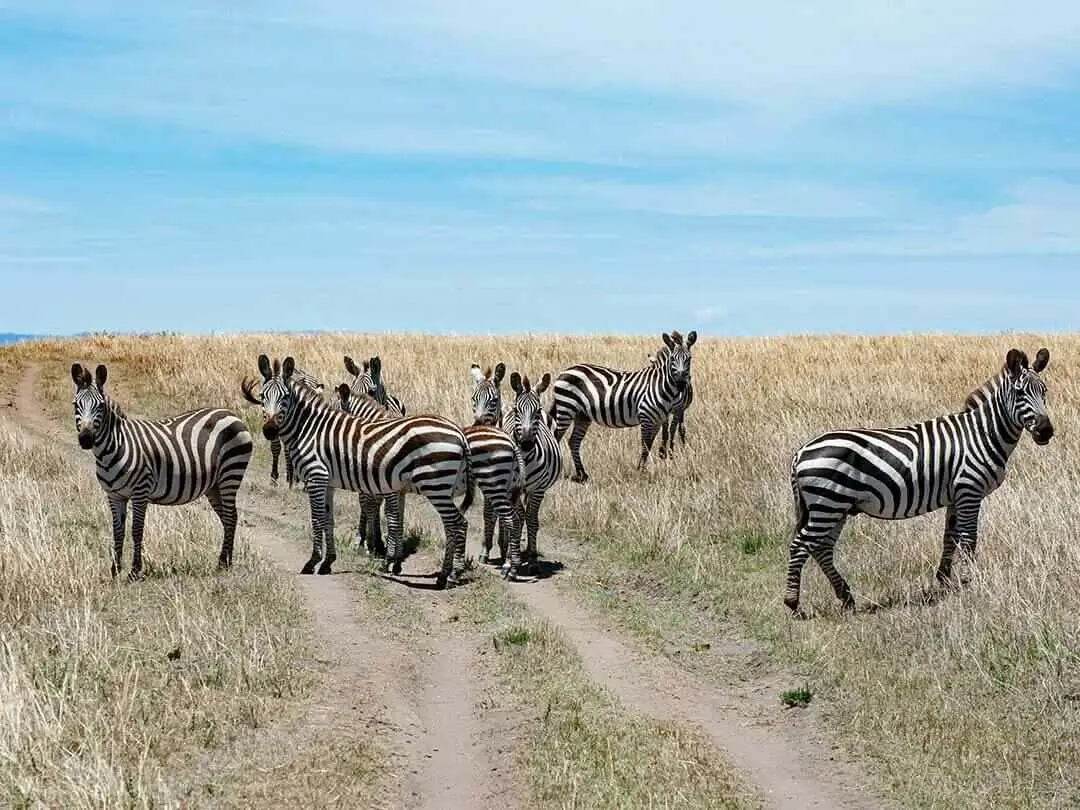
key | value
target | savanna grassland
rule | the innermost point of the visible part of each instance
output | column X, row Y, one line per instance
column 967, row 701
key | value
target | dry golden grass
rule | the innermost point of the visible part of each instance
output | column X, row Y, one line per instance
column 966, row 703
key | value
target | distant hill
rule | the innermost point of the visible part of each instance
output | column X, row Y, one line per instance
column 15, row 337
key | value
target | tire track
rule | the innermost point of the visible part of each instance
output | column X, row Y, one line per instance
column 418, row 698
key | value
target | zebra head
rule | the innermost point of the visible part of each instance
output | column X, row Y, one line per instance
column 1025, row 391
column 277, row 396
column 676, row 363
column 486, row 397
column 366, row 379
column 528, row 411
column 89, row 402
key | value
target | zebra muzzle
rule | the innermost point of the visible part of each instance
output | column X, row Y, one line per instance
column 1042, row 431
column 86, row 440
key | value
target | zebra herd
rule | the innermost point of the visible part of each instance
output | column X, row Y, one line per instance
column 363, row 441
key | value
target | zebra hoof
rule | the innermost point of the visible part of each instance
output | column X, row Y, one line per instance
column 396, row 568
column 134, row 575
column 326, row 566
column 482, row 558
column 440, row 582
column 579, row 478
column 224, row 563
column 309, row 567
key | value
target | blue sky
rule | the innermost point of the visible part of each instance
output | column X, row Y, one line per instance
column 579, row 167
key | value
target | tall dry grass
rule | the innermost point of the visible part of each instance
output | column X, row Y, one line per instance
column 109, row 693
column 965, row 703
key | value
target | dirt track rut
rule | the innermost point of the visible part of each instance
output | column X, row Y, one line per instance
column 423, row 694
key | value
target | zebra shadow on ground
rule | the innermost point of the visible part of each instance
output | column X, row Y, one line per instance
column 926, row 596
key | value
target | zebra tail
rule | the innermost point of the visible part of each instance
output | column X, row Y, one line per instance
column 470, row 484
column 801, row 512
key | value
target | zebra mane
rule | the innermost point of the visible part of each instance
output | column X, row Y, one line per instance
column 984, row 393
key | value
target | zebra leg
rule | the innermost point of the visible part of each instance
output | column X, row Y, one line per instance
column 648, row 436
column 362, row 526
column 330, row 543
column 456, row 527
column 967, row 531
column 663, row 450
column 118, row 508
column 224, row 505
column 948, row 548
column 816, row 540
column 318, row 486
column 395, row 532
column 577, row 436
column 275, row 451
column 682, row 428
column 290, row 475
column 532, row 524
column 138, row 520
column 489, row 531
column 511, row 554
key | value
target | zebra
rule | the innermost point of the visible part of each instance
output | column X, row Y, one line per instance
column 369, row 530
column 499, row 470
column 586, row 393
column 167, row 462
column 533, row 432
column 368, row 380
column 952, row 461
column 486, row 395
column 367, row 385
column 333, row 449
column 303, row 378
column 668, row 427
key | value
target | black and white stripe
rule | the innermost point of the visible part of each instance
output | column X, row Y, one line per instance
column 369, row 530
column 668, row 427
column 302, row 378
column 368, row 380
column 167, row 462
column 486, row 395
column 587, row 393
column 532, row 430
column 952, row 462
column 332, row 449
column 499, row 471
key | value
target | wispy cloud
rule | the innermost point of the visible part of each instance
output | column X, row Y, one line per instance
column 673, row 155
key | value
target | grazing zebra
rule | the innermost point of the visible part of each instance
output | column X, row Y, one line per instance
column 369, row 530
column 499, row 471
column 167, row 462
column 333, row 449
column 587, row 393
column 533, row 432
column 952, row 461
column 303, row 378
column 486, row 396
column 678, row 413
column 368, row 380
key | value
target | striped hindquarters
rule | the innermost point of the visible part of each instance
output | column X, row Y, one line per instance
column 888, row 473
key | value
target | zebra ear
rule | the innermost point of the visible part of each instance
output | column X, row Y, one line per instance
column 1015, row 362
column 264, row 366
column 343, row 393
column 668, row 341
column 1041, row 359
column 79, row 375
column 476, row 374
column 545, row 381
column 100, row 375
column 515, row 383
column 691, row 338
column 500, row 372
column 350, row 366
column 376, row 369
column 288, row 367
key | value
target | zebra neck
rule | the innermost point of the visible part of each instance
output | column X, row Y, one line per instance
column 989, row 406
column 111, row 437
column 305, row 407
